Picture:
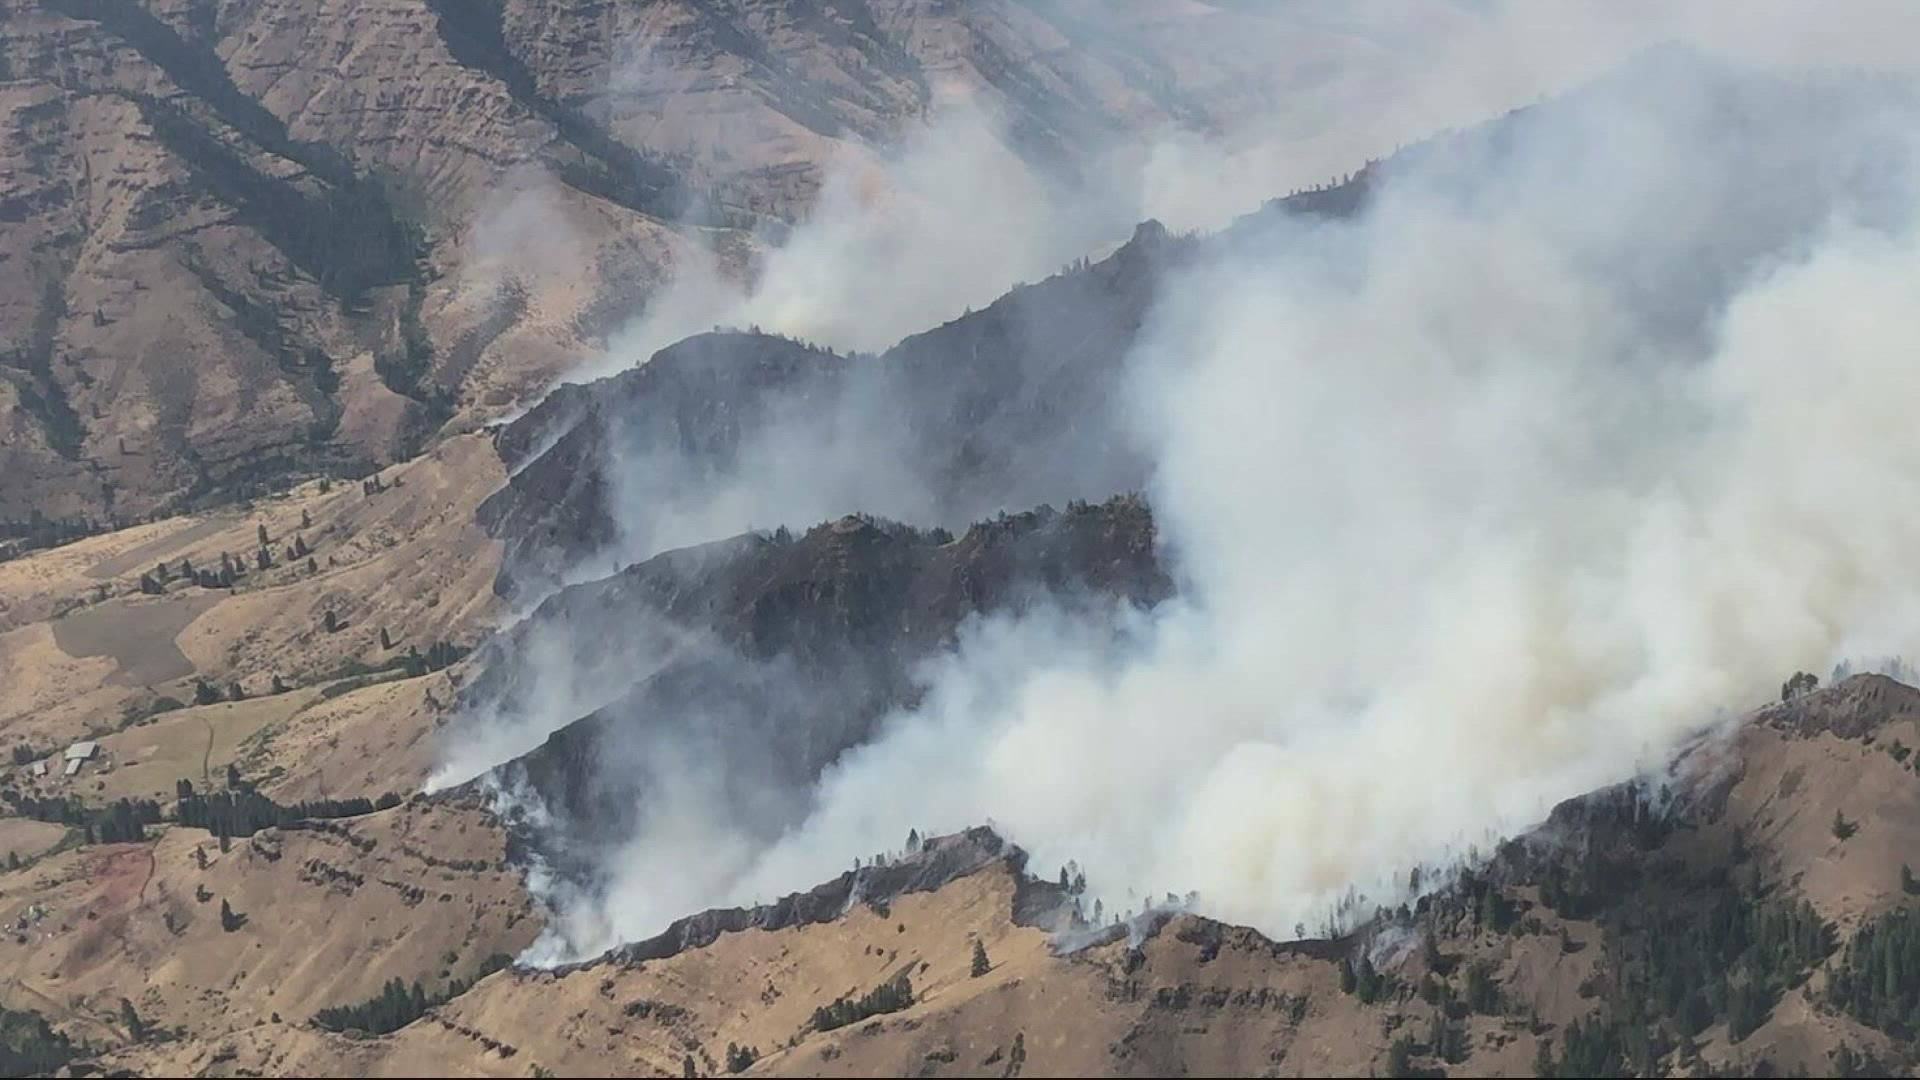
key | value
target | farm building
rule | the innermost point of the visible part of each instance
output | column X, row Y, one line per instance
column 82, row 751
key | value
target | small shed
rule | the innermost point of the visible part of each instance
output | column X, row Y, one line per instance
column 39, row 768
column 73, row 765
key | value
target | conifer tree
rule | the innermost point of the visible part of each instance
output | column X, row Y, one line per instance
column 980, row 964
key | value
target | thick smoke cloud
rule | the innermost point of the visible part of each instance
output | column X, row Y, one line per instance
column 1468, row 528
column 1576, row 441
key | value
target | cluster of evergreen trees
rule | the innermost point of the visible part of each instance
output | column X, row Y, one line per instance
column 120, row 822
column 1597, row 1046
column 1682, row 961
column 40, row 531
column 397, row 1004
column 1364, row 981
column 243, row 812
column 124, row 821
column 232, row 568
column 739, row 1057
column 393, row 1008
column 1877, row 980
column 29, row 1046
column 886, row 998
column 439, row 655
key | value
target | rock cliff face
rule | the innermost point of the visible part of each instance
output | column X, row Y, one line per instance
column 253, row 238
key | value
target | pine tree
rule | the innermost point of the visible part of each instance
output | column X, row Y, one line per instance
column 386, row 639
column 330, row 621
column 261, row 530
column 230, row 920
column 980, row 964
column 1400, row 1057
column 13, row 861
column 234, row 693
column 279, row 684
column 306, row 522
column 1366, row 981
column 136, row 1027
column 1543, row 1057
column 312, row 566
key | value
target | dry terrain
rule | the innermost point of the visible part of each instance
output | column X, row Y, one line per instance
column 265, row 239
column 87, row 653
column 1177, row 994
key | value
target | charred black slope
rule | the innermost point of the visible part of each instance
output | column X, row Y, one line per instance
column 1011, row 406
column 757, row 661
column 692, row 406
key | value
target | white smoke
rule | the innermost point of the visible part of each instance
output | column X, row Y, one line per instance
column 1478, row 502
column 1446, row 570
column 905, row 237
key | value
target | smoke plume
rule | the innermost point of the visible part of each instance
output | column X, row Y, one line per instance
column 1590, row 429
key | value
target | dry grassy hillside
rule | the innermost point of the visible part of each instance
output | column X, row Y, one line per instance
column 87, row 653
column 1498, row 972
column 329, row 914
column 260, row 239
